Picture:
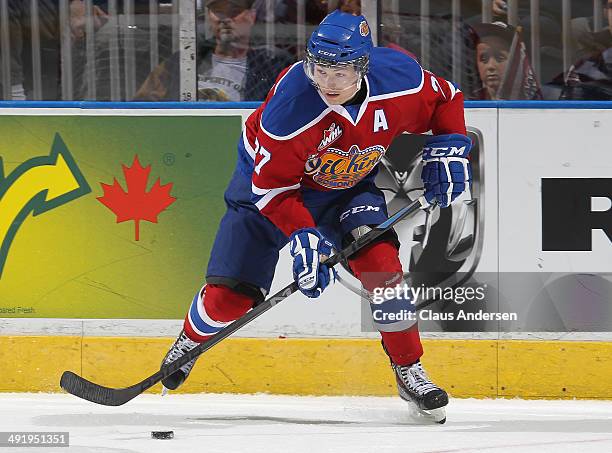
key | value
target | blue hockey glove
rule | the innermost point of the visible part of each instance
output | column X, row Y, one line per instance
column 446, row 169
column 308, row 247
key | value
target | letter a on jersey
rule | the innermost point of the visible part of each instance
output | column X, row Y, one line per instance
column 380, row 121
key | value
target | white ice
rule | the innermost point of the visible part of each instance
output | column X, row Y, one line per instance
column 265, row 423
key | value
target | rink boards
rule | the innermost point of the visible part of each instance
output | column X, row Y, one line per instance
column 465, row 368
column 78, row 291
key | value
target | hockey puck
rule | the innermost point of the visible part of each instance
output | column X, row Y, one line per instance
column 162, row 434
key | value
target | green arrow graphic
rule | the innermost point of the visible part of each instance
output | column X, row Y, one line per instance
column 37, row 185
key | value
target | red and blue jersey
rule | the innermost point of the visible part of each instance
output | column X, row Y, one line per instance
column 295, row 140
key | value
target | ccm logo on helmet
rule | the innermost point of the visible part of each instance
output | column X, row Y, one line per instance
column 445, row 151
column 358, row 209
column 326, row 53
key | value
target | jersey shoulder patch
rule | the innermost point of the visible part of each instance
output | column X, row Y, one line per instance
column 393, row 73
column 294, row 104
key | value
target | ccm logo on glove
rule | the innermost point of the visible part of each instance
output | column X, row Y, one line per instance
column 446, row 151
column 447, row 172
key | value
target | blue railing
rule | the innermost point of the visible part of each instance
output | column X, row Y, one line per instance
column 253, row 105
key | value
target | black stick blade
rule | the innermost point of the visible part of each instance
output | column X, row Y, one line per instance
column 78, row 386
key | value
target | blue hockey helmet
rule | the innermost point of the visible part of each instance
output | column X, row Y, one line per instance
column 341, row 39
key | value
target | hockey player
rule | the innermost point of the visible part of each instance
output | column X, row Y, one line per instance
column 305, row 175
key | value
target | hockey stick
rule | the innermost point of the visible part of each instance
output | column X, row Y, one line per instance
column 87, row 390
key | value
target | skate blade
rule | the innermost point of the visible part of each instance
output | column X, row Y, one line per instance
column 165, row 390
column 430, row 416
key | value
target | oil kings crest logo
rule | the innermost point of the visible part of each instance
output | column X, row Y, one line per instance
column 337, row 169
column 312, row 164
column 363, row 28
column 330, row 135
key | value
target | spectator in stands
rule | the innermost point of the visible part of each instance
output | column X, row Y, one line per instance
column 20, row 37
column 587, row 42
column 493, row 43
column 550, row 23
column 496, row 45
column 346, row 6
column 229, row 67
column 591, row 77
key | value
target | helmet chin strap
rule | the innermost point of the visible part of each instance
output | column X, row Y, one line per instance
column 358, row 85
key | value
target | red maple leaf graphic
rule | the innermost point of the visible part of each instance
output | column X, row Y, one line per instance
column 136, row 204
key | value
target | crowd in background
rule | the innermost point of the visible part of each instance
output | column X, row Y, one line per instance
column 238, row 59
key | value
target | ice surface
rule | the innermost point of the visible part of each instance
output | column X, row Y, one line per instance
column 265, row 423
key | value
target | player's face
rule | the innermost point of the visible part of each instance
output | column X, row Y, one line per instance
column 492, row 57
column 337, row 85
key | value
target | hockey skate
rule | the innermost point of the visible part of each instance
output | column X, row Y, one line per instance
column 182, row 345
column 426, row 399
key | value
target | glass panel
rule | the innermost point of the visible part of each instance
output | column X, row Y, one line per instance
column 561, row 55
column 116, row 50
column 244, row 45
column 590, row 52
column 30, row 50
column 133, row 39
column 81, row 49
